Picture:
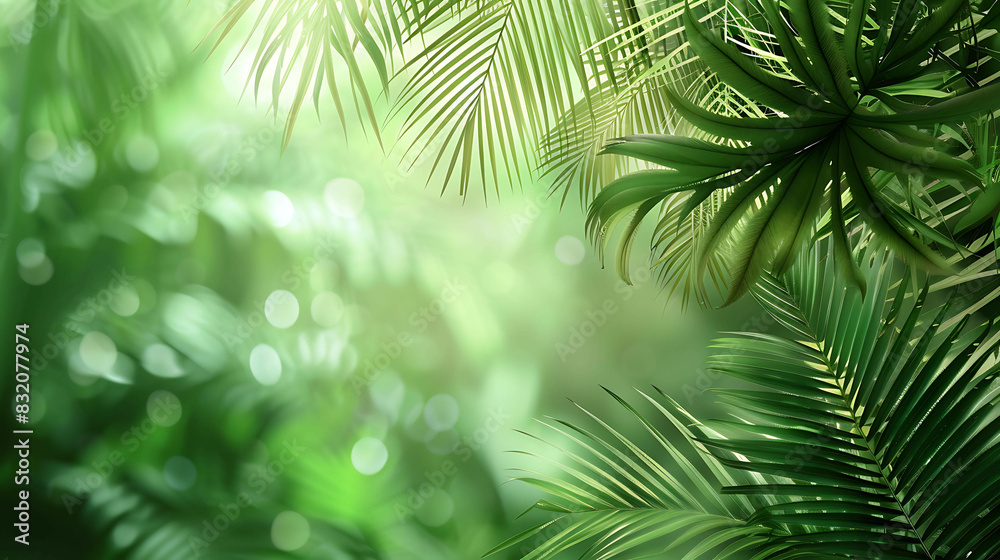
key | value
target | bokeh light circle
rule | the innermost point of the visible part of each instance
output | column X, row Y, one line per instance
column 164, row 408
column 38, row 274
column 180, row 473
column 570, row 250
column 369, row 455
column 142, row 153
column 281, row 309
column 289, row 531
column 441, row 412
column 344, row 198
column 327, row 309
column 265, row 364
column 30, row 252
column 98, row 352
column 126, row 302
column 437, row 510
column 41, row 145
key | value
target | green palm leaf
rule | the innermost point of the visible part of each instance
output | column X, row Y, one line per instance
column 315, row 37
column 870, row 431
column 830, row 116
column 480, row 83
column 624, row 503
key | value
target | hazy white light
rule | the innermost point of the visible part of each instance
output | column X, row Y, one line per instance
column 387, row 392
column 98, row 352
column 77, row 165
column 570, row 250
column 281, row 309
column 345, row 198
column 369, row 455
column 161, row 360
column 279, row 208
column 123, row 371
column 125, row 303
column 265, row 365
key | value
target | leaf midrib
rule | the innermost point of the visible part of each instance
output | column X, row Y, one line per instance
column 849, row 406
column 874, row 457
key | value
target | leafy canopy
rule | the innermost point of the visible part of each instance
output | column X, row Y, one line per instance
column 837, row 108
column 477, row 85
column 788, row 121
column 869, row 432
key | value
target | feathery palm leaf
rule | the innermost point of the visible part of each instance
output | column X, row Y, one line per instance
column 653, row 58
column 870, row 432
column 493, row 81
column 482, row 82
column 626, row 503
column 316, row 37
column 844, row 90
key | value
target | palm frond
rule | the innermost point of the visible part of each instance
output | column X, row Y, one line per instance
column 834, row 96
column 493, row 81
column 482, row 82
column 312, row 40
column 870, row 431
column 626, row 503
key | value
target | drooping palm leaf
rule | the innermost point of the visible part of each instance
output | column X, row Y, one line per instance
column 478, row 84
column 492, row 81
column 625, row 503
column 845, row 91
column 870, row 432
column 875, row 399
column 652, row 58
column 315, row 37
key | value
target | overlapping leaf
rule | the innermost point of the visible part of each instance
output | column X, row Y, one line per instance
column 478, row 84
column 870, row 431
column 852, row 101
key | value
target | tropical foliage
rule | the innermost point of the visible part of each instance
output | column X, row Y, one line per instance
column 855, row 110
column 792, row 121
column 754, row 129
column 481, row 83
column 867, row 431
column 861, row 419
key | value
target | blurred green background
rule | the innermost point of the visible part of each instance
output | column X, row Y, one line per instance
column 239, row 352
